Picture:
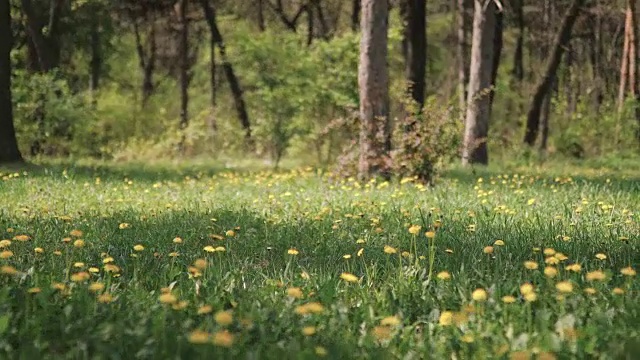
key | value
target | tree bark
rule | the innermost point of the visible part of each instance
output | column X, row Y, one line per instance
column 544, row 86
column 415, row 39
column 96, row 58
column 518, row 65
column 480, row 77
column 310, row 25
column 47, row 45
column 373, row 84
column 462, row 53
column 355, row 14
column 261, row 23
column 9, row 152
column 624, row 66
column 183, row 8
column 146, row 61
column 497, row 53
column 234, row 83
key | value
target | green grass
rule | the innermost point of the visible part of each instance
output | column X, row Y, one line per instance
column 257, row 217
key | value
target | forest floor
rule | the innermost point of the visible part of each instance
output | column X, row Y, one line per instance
column 127, row 261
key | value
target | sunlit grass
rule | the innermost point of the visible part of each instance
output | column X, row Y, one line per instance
column 146, row 262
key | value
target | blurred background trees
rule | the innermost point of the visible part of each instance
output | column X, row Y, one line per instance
column 275, row 79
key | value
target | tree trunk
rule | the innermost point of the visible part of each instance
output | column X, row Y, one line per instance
column 518, row 66
column 234, row 83
column 480, row 74
column 624, row 66
column 46, row 41
column 213, row 124
column 415, row 39
column 462, row 53
column 96, row 58
column 184, row 64
column 310, row 27
column 544, row 86
column 373, row 84
column 355, row 14
column 147, row 62
column 544, row 122
column 8, row 145
column 261, row 23
column 497, row 53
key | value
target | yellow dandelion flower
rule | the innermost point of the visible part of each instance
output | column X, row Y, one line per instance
column 107, row 260
column 220, row 249
column 58, row 286
column 309, row 308
column 209, row 249
column 405, row 254
column 508, row 299
column 390, row 250
column 198, row 337
column 590, row 291
column 5, row 243
column 550, row 272
column 76, row 233
column 96, row 287
column 361, row 241
column 564, row 287
column 167, row 298
column 173, row 254
column 349, row 277
column 617, row 291
column 138, row 247
column 520, row 355
column 601, row 256
column 531, row 265
column 430, row 234
column 223, row 338
column 628, row 271
column 308, row 330
column 415, row 229
column 573, row 267
column 200, row 264
column 321, row 351
column 177, row 240
column 467, row 338
column 479, row 295
column 346, row 256
column 94, row 270
column 545, row 356
column 295, row 292
column 8, row 270
column 105, row 298
column 66, row 240
column 560, row 256
column 6, row 254
column 230, row 233
column 552, row 260
column 78, row 264
column 34, row 290
column 549, row 252
column 390, row 321
column 596, row 275
column 488, row 250
column 57, row 252
column 448, row 251
column 22, row 237
column 205, row 309
column 223, row 318
column 498, row 243
column 111, row 268
column 360, row 252
column 293, row 252
column 443, row 275
column 526, row 288
column 381, row 332
column 446, row 318
column 123, row 226
column 530, row 297
column 80, row 277
column 305, row 275
column 180, row 305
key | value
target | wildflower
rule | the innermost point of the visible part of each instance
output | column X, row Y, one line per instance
column 573, row 267
column 361, row 241
column 223, row 338
column 173, row 254
column 389, row 250
column 230, row 233
column 349, row 277
column 309, row 308
column 520, row 355
column 209, row 249
column 200, row 264
column 405, row 254
column 430, row 234
column 22, row 237
column 123, row 226
column 488, row 250
column 78, row 265
column 138, row 247
column 198, row 337
column 220, row 249
column 479, row 295
column 590, row 291
column 6, row 254
column 96, row 287
column 359, row 253
column 617, row 291
column 94, row 270
column 530, row 297
column 596, row 275
column 107, row 260
column 552, row 260
column 105, row 298
column 448, row 251
column 308, row 330
column 601, row 256
column 57, row 252
column 508, row 299
column 76, row 233
column 382, row 332
column 531, row 265
column 526, row 288
column 167, row 298
column 498, row 243
column 564, row 287
column 205, row 309
column 560, row 256
column 346, row 256
column 443, row 275
column 80, row 277
column 549, row 252
column 321, row 351
column 180, row 305
column 4, row 243
column 550, row 272
column 467, row 338
column 177, row 240
column 58, row 286
column 390, row 321
column 293, row 252
column 8, row 270
column 628, row 271
column 111, row 268
column 305, row 275
column 446, row 318
column 295, row 293
column 34, row 290
column 223, row 318
column 414, row 229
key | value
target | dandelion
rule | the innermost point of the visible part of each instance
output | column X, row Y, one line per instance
column 346, row 256
column 601, row 256
column 198, row 337
column 111, row 268
column 200, row 264
column 94, row 270
column 628, row 271
column 80, row 277
column 223, row 338
column 488, row 250
column 467, row 338
column 443, row 275
column 223, row 318
column 230, row 233
column 177, row 240
column 5, row 243
column 526, row 288
column 123, row 226
column 321, row 351
column 309, row 308
column 105, row 298
column 564, row 287
column 617, row 291
column 531, row 265
column 308, row 330
column 596, row 275
column 174, row 254
column 552, row 260
column 560, row 256
column 479, row 295
column 76, row 233
column 360, row 252
column 390, row 321
column 8, row 270
column 389, row 249
column 180, row 305
column 293, row 252
column 6, row 254
column 295, row 292
column 415, row 229
column 498, row 243
column 58, row 286
column 167, row 298
column 508, row 299
column 381, row 332
column 520, row 355
column 550, row 272
column 530, row 297
column 22, row 237
column 205, row 309
column 107, row 260
column 446, row 318
column 96, row 287
column 430, row 234
column 34, row 290
column 138, row 247
column 78, row 265
column 573, row 267
column 209, row 249
column 549, row 252
column 590, row 291
column 305, row 275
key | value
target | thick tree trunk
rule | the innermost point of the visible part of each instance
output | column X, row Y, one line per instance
column 234, row 83
column 8, row 145
column 497, row 53
column 415, row 39
column 373, row 83
column 544, row 86
column 518, row 65
column 462, row 53
column 355, row 14
column 480, row 75
column 184, row 63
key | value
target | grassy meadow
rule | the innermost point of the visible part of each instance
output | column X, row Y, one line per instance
column 167, row 262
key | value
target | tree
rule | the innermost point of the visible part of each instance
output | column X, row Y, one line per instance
column 545, row 85
column 183, row 9
column 8, row 145
column 415, row 48
column 461, row 51
column 373, row 84
column 45, row 35
column 518, row 65
column 480, row 79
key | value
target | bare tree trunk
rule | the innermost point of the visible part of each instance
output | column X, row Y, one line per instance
column 462, row 53
column 261, row 23
column 518, row 66
column 497, row 53
column 544, row 86
column 183, row 9
column 234, row 83
column 415, row 39
column 96, row 58
column 8, row 144
column 46, row 41
column 373, row 83
column 355, row 14
column 544, row 122
column 624, row 67
column 480, row 74
column 213, row 124
column 310, row 27
column 147, row 62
